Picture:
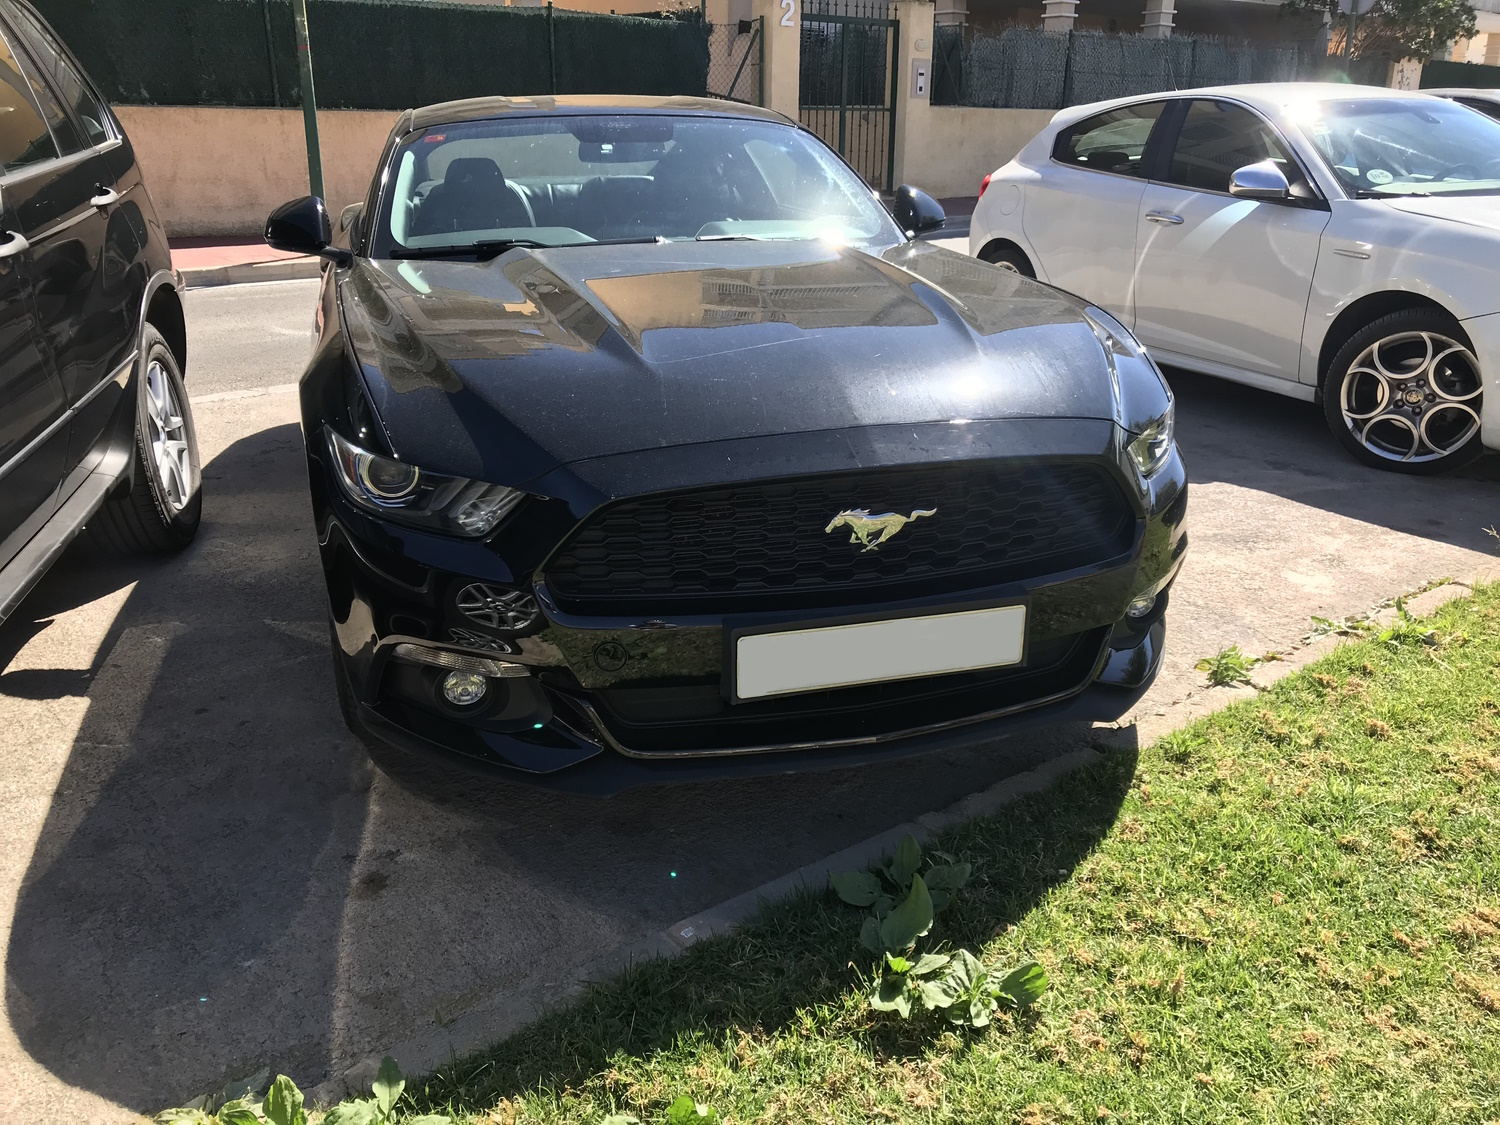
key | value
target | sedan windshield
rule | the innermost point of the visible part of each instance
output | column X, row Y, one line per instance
column 1404, row 146
column 480, row 187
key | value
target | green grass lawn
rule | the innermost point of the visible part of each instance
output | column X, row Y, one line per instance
column 1289, row 911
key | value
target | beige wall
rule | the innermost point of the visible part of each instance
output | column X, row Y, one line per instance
column 220, row 171
column 948, row 150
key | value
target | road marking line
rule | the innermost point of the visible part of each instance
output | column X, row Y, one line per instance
column 248, row 392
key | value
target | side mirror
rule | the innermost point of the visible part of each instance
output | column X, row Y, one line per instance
column 1260, row 181
column 302, row 227
column 916, row 211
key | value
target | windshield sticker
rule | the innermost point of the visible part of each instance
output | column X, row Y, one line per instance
column 1379, row 176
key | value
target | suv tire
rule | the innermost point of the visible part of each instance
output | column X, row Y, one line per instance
column 162, row 510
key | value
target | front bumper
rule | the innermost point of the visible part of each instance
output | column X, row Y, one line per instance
column 613, row 702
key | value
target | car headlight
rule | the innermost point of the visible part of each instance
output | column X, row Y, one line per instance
column 407, row 494
column 1152, row 446
column 1145, row 408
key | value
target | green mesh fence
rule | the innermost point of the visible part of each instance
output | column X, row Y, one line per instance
column 371, row 54
column 1438, row 74
column 1027, row 68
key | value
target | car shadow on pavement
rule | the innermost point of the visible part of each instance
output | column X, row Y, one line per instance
column 182, row 904
column 1270, row 443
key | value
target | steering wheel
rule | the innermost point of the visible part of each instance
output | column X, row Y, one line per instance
column 1460, row 172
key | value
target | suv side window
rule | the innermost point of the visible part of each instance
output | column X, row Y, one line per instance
column 1112, row 141
column 24, row 136
column 64, row 78
column 1219, row 137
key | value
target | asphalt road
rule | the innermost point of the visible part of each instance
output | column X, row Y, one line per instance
column 202, row 874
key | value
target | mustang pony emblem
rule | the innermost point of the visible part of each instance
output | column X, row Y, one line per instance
column 870, row 530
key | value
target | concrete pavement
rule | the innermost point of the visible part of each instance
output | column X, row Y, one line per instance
column 201, row 874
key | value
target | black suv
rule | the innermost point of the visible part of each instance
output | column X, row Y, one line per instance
column 95, row 426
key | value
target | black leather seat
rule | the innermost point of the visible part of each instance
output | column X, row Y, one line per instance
column 474, row 196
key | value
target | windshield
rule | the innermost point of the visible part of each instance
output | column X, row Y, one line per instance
column 1404, row 146
column 560, row 181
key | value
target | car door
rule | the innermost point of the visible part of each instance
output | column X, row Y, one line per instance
column 87, row 320
column 1080, row 218
column 1220, row 280
column 33, row 405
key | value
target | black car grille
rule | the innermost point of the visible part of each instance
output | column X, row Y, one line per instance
column 763, row 544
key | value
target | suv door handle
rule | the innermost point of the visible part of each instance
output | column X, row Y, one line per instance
column 105, row 197
column 1163, row 217
column 13, row 245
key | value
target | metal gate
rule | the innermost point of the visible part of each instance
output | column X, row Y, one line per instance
column 850, row 50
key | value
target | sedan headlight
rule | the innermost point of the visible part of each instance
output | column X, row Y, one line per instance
column 1152, row 446
column 407, row 494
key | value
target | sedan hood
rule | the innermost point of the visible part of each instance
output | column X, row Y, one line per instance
column 505, row 370
column 1471, row 210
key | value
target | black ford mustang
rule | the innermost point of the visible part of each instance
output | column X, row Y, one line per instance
column 644, row 444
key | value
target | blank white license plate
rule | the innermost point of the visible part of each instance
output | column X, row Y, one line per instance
column 901, row 648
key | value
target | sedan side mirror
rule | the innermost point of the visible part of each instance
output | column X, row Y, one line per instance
column 916, row 211
column 1260, row 181
column 302, row 227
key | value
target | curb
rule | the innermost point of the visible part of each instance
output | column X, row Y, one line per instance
column 282, row 269
column 505, row 1013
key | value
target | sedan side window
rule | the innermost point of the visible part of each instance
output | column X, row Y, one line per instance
column 1219, row 137
column 1489, row 109
column 1113, row 141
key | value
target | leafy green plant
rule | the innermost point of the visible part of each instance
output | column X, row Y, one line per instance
column 1406, row 630
column 1227, row 667
column 1357, row 626
column 283, row 1104
column 955, row 983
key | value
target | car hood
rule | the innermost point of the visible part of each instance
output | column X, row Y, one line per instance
column 505, row 370
column 1472, row 210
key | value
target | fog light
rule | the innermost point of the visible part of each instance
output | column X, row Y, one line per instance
column 1140, row 606
column 464, row 689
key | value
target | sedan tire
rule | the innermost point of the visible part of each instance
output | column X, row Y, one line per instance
column 1007, row 257
column 1403, row 394
column 162, row 510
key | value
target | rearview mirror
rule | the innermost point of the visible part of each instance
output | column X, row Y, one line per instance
column 916, row 211
column 1260, row 181
column 302, row 227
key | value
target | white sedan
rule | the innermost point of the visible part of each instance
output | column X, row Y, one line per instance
column 1329, row 242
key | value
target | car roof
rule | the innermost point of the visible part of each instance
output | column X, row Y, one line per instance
column 1465, row 92
column 1268, row 97
column 477, row 109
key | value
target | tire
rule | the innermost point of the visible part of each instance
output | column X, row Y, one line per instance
column 1007, row 258
column 162, row 510
column 1403, row 394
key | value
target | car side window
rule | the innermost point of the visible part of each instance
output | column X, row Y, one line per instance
column 24, row 136
column 63, row 77
column 1112, row 141
column 1216, row 139
column 1489, row 109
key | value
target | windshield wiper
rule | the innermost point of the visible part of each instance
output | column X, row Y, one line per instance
column 482, row 250
column 731, row 238
column 492, row 248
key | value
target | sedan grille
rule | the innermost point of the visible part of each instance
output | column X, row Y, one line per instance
column 763, row 544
